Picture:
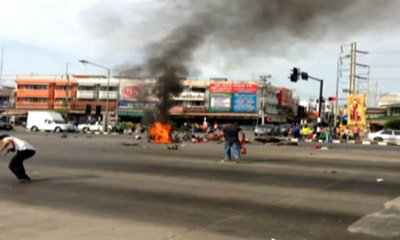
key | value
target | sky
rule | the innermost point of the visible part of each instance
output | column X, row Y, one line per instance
column 40, row 37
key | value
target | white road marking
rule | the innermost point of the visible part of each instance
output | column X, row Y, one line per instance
column 384, row 224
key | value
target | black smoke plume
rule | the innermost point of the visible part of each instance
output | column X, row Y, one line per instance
column 246, row 27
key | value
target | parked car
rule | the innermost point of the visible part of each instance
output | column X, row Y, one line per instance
column 265, row 130
column 386, row 135
column 92, row 127
column 5, row 126
column 47, row 121
column 284, row 129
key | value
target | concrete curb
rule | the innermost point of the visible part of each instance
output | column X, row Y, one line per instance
column 353, row 142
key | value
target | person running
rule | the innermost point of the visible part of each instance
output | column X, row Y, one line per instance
column 231, row 134
column 24, row 151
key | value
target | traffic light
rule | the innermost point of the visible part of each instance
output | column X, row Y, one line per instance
column 88, row 110
column 98, row 110
column 294, row 77
column 304, row 76
column 332, row 99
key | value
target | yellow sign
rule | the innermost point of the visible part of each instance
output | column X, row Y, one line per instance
column 357, row 110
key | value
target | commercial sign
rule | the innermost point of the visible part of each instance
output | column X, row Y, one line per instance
column 245, row 88
column 220, row 102
column 245, row 102
column 357, row 110
column 221, row 88
column 137, row 105
column 137, row 90
column 190, row 96
column 233, row 88
column 285, row 97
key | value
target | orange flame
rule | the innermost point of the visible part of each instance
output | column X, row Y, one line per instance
column 161, row 132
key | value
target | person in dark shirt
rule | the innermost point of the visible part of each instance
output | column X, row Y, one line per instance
column 231, row 134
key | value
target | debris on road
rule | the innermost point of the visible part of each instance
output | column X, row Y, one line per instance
column 172, row 147
column 324, row 148
column 285, row 144
column 130, row 143
column 64, row 135
column 379, row 180
column 267, row 140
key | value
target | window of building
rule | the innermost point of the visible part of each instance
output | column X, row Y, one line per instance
column 65, row 88
column 38, row 100
column 36, row 87
column 86, row 88
column 111, row 88
column 62, row 100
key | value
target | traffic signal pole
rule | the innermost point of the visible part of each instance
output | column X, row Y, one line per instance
column 321, row 87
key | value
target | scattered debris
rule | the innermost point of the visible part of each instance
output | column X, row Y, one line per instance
column 172, row 147
column 331, row 171
column 64, row 135
column 317, row 146
column 379, row 180
column 138, row 137
column 324, row 148
column 130, row 144
column 267, row 140
column 285, row 144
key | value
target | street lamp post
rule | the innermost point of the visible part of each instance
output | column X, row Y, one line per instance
column 105, row 125
column 339, row 61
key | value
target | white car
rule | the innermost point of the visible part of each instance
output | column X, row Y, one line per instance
column 386, row 135
column 92, row 127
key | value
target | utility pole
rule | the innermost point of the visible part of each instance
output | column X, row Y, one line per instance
column 353, row 60
column 1, row 67
column 66, row 89
column 264, row 79
column 376, row 94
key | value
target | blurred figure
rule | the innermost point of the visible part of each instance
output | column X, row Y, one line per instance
column 231, row 134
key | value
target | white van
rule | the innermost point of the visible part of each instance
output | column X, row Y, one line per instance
column 47, row 121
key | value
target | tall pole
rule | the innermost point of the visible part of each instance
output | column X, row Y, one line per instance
column 337, row 92
column 1, row 66
column 353, row 61
column 66, row 89
column 108, row 93
column 369, row 88
column 376, row 94
column 321, row 86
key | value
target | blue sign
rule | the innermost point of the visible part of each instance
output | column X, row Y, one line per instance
column 244, row 102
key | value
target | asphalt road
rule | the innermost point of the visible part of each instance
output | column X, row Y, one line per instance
column 97, row 187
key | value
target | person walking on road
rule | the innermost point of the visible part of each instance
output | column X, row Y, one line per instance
column 231, row 134
column 23, row 150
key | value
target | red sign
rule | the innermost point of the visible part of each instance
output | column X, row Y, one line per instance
column 245, row 88
column 221, row 87
column 233, row 88
column 285, row 97
column 131, row 92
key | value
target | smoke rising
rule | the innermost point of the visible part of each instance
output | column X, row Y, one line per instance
column 246, row 27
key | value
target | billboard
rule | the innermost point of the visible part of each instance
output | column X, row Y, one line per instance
column 245, row 102
column 245, row 88
column 233, row 87
column 220, row 102
column 285, row 97
column 137, row 90
column 357, row 110
column 221, row 88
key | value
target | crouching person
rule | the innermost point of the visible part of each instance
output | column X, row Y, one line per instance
column 23, row 151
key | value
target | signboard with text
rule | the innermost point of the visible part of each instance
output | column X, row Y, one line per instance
column 220, row 102
column 245, row 102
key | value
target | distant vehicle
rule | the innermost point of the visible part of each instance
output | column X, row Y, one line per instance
column 47, row 121
column 386, row 135
column 92, row 127
column 5, row 126
column 265, row 130
column 284, row 129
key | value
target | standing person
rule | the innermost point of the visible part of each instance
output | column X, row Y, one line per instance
column 356, row 132
column 24, row 151
column 296, row 131
column 231, row 134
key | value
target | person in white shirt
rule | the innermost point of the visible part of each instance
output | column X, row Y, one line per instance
column 23, row 151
